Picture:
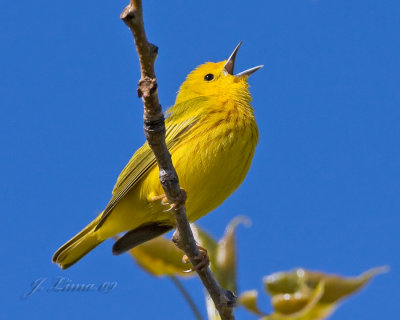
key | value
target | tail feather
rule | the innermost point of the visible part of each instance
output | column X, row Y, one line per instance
column 138, row 236
column 72, row 251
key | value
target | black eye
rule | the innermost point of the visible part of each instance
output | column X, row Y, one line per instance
column 209, row 77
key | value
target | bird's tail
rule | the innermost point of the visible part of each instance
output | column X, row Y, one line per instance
column 72, row 251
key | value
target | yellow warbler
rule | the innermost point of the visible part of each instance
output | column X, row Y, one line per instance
column 211, row 134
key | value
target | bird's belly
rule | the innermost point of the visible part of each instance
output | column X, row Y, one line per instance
column 211, row 169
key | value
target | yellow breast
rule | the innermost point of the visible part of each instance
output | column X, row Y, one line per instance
column 213, row 159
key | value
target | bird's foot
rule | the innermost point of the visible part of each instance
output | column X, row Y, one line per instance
column 164, row 200
column 162, row 197
column 202, row 260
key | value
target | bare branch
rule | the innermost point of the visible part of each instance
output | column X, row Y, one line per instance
column 154, row 128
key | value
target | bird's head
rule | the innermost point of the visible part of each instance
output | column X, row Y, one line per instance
column 218, row 80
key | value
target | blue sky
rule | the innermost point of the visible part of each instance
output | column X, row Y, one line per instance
column 323, row 190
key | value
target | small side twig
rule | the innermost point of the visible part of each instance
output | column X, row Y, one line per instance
column 187, row 297
column 154, row 128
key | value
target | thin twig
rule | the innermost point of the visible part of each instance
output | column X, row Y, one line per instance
column 187, row 297
column 154, row 128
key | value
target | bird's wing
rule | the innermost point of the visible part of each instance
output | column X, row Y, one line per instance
column 143, row 159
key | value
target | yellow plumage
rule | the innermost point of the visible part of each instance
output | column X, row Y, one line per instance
column 211, row 134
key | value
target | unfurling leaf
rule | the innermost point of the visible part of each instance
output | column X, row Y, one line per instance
column 160, row 257
column 248, row 299
column 298, row 304
column 318, row 312
column 206, row 241
column 223, row 257
column 226, row 255
column 337, row 287
column 284, row 282
column 212, row 313
column 310, row 295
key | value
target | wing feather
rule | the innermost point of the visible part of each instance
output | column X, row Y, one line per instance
column 143, row 160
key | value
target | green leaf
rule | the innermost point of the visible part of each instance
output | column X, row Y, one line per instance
column 222, row 256
column 212, row 313
column 207, row 241
column 316, row 313
column 248, row 299
column 160, row 257
column 226, row 255
column 284, row 282
column 298, row 305
column 311, row 295
column 337, row 287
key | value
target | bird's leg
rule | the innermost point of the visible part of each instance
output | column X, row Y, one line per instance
column 162, row 197
column 180, row 200
column 202, row 258
column 164, row 200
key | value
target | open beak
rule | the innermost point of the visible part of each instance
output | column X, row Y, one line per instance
column 230, row 64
